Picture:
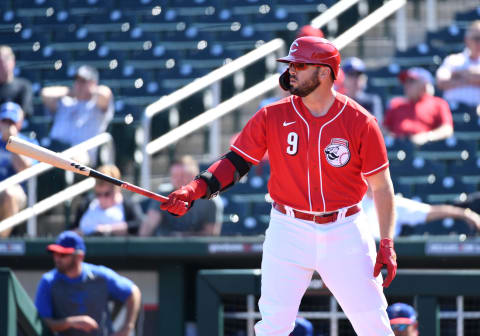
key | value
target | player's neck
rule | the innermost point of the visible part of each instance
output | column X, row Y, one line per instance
column 319, row 101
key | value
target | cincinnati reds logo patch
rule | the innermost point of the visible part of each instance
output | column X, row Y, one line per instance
column 337, row 152
column 292, row 47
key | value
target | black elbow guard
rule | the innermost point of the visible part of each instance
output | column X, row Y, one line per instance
column 241, row 166
column 214, row 186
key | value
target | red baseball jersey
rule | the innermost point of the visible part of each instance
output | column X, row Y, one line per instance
column 317, row 163
column 405, row 118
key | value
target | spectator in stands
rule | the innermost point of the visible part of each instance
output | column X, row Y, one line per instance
column 12, row 89
column 411, row 213
column 13, row 199
column 73, row 298
column 459, row 74
column 403, row 319
column 419, row 115
column 109, row 213
column 204, row 219
column 81, row 112
column 355, row 83
column 303, row 327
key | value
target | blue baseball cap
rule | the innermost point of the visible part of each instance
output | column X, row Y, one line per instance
column 401, row 313
column 353, row 65
column 11, row 111
column 68, row 242
column 303, row 327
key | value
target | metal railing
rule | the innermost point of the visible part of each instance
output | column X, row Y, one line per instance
column 33, row 208
column 430, row 286
column 248, row 95
column 210, row 80
column 213, row 80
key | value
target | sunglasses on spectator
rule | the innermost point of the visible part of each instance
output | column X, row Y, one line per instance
column 104, row 194
column 302, row 66
column 399, row 327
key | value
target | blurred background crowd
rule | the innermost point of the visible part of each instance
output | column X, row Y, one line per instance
column 77, row 70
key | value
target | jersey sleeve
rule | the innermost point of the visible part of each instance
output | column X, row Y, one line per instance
column 43, row 299
column 372, row 149
column 251, row 143
column 445, row 114
column 119, row 287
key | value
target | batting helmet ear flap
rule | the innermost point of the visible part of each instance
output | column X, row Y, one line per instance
column 284, row 80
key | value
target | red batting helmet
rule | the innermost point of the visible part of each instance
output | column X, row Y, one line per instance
column 314, row 50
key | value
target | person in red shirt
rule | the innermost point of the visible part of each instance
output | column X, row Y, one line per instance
column 419, row 115
column 323, row 149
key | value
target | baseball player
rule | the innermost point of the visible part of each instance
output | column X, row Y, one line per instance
column 323, row 149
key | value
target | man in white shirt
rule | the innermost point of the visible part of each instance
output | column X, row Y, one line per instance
column 459, row 74
column 80, row 112
column 412, row 213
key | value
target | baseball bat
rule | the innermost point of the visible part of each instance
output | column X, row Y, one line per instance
column 22, row 147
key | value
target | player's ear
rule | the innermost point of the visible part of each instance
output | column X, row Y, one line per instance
column 324, row 72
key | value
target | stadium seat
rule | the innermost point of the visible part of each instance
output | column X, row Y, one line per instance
column 417, row 166
column 443, row 189
column 468, row 16
column 448, row 39
column 399, row 149
column 447, row 226
column 422, row 55
column 449, row 149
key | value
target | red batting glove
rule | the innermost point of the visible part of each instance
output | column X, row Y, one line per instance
column 180, row 201
column 386, row 256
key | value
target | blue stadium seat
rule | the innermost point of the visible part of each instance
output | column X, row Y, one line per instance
column 443, row 189
column 447, row 226
column 417, row 167
column 406, row 190
column 449, row 39
column 468, row 16
column 449, row 149
column 399, row 149
column 422, row 55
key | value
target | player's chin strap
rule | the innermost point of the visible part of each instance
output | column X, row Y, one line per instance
column 225, row 172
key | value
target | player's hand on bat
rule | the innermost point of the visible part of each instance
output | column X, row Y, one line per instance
column 82, row 322
column 181, row 200
column 386, row 256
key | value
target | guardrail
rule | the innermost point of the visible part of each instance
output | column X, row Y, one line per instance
column 212, row 115
column 210, row 80
column 33, row 209
column 425, row 285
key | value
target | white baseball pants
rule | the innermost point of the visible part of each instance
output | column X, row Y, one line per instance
column 343, row 253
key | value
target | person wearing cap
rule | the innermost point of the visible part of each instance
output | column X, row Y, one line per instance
column 354, row 86
column 14, row 89
column 459, row 74
column 14, row 198
column 403, row 319
column 81, row 112
column 419, row 115
column 73, row 298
